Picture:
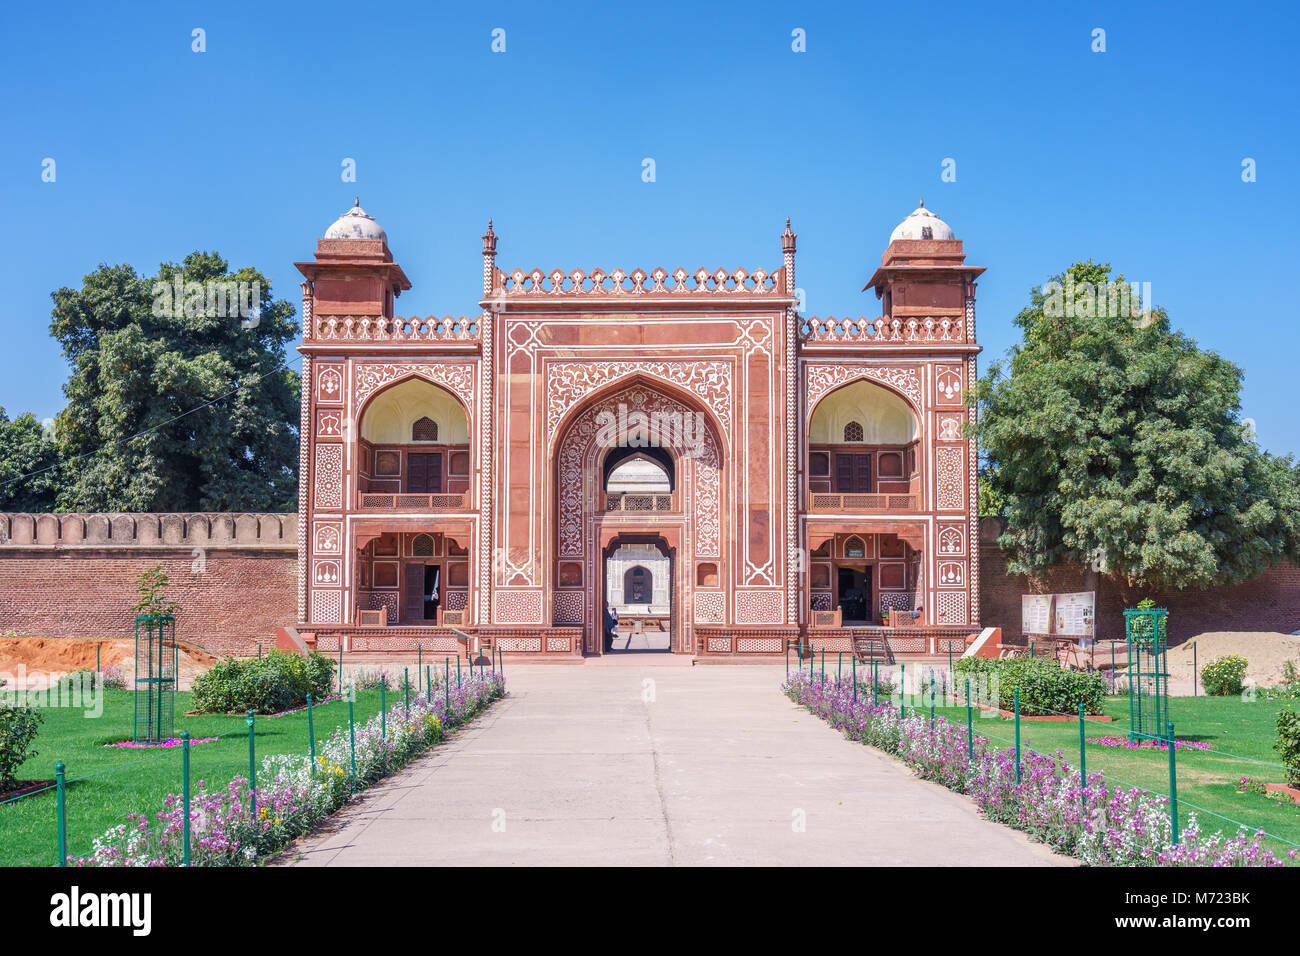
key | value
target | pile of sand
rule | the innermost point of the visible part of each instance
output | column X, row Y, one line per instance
column 41, row 657
column 1265, row 653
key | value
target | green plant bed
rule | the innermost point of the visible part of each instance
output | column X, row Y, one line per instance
column 140, row 779
column 1245, row 729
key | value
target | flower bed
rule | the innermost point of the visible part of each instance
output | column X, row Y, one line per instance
column 292, row 796
column 1119, row 828
column 169, row 742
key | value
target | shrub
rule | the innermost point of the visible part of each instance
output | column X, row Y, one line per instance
column 17, row 731
column 1288, row 744
column 1224, row 676
column 114, row 677
column 1045, row 686
column 267, row 685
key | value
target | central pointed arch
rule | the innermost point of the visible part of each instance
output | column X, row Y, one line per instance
column 679, row 428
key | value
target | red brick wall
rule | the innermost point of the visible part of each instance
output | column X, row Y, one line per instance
column 1270, row 602
column 237, row 599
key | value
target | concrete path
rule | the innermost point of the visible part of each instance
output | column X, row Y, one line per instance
column 657, row 766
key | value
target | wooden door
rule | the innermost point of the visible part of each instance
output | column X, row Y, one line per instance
column 413, row 594
column 852, row 474
column 423, row 474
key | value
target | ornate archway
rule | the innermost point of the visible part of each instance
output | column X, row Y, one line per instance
column 638, row 412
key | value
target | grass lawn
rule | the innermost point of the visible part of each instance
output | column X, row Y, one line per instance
column 106, row 783
column 1208, row 780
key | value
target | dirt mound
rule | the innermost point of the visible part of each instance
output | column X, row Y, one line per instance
column 40, row 657
column 1265, row 653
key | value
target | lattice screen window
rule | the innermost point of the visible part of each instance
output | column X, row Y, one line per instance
column 853, row 431
column 424, row 429
column 422, row 546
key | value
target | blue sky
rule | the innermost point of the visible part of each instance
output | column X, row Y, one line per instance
column 1131, row 156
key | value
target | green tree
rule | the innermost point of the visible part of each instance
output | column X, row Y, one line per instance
column 145, row 352
column 26, row 449
column 1114, row 441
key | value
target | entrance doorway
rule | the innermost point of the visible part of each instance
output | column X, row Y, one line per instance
column 637, row 592
column 853, row 585
column 421, row 593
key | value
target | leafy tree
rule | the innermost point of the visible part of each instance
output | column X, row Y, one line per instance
column 25, row 449
column 145, row 352
column 1116, row 442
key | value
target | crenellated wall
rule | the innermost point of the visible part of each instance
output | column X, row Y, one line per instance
column 74, row 575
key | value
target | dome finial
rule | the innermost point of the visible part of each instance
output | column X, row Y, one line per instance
column 921, row 205
column 357, row 204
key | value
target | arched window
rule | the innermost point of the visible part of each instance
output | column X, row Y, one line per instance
column 638, row 585
column 424, row 429
column 853, row 431
column 422, row 546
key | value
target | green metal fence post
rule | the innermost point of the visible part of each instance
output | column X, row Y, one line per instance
column 875, row 683
column 970, row 727
column 1196, row 672
column 1016, row 693
column 1173, row 787
column 839, row 668
column 383, row 707
column 823, row 665
column 406, row 684
column 1083, row 765
column 931, row 701
column 949, row 674
column 311, row 738
column 185, row 791
column 97, row 667
column 352, row 733
column 60, row 779
column 902, row 682
column 252, row 768
column 446, row 690
column 854, row 677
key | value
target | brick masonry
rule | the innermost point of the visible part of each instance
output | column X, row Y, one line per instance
column 235, row 578
column 1270, row 602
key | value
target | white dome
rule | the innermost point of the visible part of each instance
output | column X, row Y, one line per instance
column 356, row 224
column 922, row 224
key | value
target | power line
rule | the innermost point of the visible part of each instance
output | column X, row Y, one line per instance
column 252, row 379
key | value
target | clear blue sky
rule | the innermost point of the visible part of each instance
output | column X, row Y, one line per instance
column 1131, row 156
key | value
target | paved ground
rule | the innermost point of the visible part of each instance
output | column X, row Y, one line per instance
column 657, row 766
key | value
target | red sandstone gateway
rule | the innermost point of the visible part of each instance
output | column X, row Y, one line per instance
column 681, row 447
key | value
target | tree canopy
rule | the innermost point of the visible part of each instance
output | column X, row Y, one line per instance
column 179, row 397
column 1113, row 440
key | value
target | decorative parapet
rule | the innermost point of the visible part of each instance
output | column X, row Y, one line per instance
column 377, row 328
column 862, row 331
column 702, row 282
column 149, row 530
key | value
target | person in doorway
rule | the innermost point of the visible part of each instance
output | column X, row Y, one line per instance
column 611, row 627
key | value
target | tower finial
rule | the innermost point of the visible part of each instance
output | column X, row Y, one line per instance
column 357, row 204
column 922, row 202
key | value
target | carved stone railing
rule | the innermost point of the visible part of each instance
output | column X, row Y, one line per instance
column 867, row 331
column 637, row 501
column 396, row 502
column 638, row 282
column 826, row 503
column 377, row 328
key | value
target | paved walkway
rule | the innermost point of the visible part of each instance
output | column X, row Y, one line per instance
column 657, row 766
